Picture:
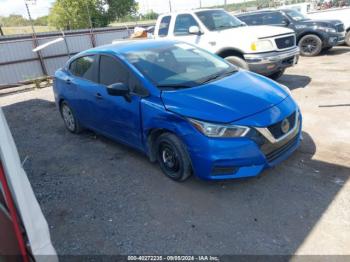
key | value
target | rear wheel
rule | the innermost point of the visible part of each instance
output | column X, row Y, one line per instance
column 237, row 61
column 310, row 45
column 277, row 74
column 347, row 38
column 69, row 118
column 173, row 157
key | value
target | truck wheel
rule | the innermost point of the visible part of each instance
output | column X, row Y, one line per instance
column 69, row 118
column 310, row 45
column 277, row 74
column 347, row 38
column 237, row 61
column 173, row 157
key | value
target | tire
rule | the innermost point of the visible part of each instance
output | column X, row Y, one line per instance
column 277, row 74
column 172, row 157
column 310, row 45
column 69, row 118
column 347, row 38
column 237, row 61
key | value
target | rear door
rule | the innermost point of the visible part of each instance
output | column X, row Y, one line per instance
column 117, row 116
column 82, row 87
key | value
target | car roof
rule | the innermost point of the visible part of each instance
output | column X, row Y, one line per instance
column 129, row 45
column 258, row 12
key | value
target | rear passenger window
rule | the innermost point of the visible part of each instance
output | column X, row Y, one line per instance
column 256, row 19
column 84, row 67
column 273, row 19
column 112, row 71
column 164, row 26
column 183, row 24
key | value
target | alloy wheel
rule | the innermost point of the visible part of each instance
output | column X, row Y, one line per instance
column 68, row 117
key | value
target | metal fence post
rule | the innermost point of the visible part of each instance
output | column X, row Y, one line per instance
column 40, row 57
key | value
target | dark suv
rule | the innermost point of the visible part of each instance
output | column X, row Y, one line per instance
column 313, row 36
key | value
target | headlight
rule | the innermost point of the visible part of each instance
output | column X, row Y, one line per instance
column 215, row 130
column 326, row 29
column 262, row 45
column 286, row 89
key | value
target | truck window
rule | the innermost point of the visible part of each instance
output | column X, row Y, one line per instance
column 183, row 23
column 164, row 26
column 275, row 18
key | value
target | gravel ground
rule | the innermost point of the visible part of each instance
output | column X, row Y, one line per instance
column 100, row 197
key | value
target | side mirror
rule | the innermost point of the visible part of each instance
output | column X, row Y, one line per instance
column 118, row 89
column 285, row 22
column 194, row 30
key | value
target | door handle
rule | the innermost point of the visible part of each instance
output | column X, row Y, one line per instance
column 98, row 96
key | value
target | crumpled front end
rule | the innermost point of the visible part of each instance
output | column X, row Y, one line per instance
column 275, row 134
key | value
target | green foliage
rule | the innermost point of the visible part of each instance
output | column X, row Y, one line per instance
column 43, row 20
column 18, row 20
column 74, row 14
column 14, row 20
column 150, row 15
column 120, row 8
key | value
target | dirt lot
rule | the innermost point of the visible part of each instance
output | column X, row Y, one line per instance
column 100, row 197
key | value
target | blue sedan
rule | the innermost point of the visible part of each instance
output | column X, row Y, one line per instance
column 187, row 109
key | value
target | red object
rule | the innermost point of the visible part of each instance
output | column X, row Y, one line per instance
column 13, row 214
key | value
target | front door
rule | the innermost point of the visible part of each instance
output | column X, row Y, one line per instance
column 116, row 116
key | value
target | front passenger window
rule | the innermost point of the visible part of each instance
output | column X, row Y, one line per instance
column 112, row 71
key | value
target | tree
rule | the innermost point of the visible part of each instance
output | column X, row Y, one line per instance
column 74, row 14
column 120, row 8
column 42, row 20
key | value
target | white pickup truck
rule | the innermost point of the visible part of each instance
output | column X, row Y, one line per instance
column 267, row 50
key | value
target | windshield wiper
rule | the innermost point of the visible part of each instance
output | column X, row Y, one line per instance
column 173, row 86
column 219, row 75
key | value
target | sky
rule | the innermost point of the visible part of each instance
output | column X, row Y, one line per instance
column 41, row 7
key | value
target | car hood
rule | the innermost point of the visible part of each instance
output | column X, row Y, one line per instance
column 324, row 23
column 237, row 96
column 255, row 32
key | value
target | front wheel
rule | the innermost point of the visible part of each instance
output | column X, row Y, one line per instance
column 310, row 45
column 173, row 157
column 237, row 61
column 347, row 38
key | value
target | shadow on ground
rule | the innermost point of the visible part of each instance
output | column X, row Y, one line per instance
column 294, row 81
column 103, row 198
column 336, row 51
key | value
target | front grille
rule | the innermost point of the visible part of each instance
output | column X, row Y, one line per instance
column 340, row 28
column 279, row 151
column 285, row 42
column 276, row 129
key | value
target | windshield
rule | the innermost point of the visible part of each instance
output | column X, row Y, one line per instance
column 178, row 65
column 218, row 20
column 295, row 15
